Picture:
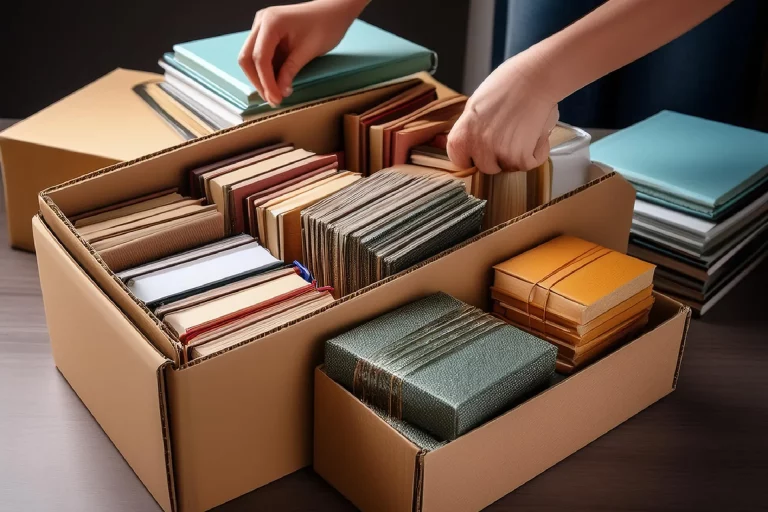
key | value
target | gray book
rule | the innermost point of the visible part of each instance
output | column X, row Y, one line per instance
column 439, row 364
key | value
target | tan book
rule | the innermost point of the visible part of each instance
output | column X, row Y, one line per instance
column 163, row 240
column 582, row 334
column 283, row 220
column 217, row 185
column 198, row 319
column 221, row 291
column 125, row 230
column 126, row 208
column 93, row 230
column 256, row 200
column 232, row 166
column 259, row 323
column 573, row 278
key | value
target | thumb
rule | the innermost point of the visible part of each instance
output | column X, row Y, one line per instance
column 297, row 59
column 458, row 147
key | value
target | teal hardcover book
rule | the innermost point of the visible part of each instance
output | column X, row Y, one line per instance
column 687, row 163
column 366, row 55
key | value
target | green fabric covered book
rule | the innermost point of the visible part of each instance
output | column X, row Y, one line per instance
column 365, row 56
column 439, row 364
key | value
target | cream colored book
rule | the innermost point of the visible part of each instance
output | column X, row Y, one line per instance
column 288, row 215
column 218, row 184
column 126, row 208
column 221, row 310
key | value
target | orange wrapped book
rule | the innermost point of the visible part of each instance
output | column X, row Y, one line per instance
column 580, row 296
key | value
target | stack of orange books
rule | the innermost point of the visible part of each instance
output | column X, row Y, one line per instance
column 577, row 295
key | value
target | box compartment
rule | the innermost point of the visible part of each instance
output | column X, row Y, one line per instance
column 377, row 468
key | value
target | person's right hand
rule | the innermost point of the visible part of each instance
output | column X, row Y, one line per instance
column 284, row 39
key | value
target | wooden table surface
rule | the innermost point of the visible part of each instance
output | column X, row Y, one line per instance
column 704, row 447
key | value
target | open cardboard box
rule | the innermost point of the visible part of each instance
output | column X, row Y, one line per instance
column 201, row 433
column 378, row 469
column 103, row 123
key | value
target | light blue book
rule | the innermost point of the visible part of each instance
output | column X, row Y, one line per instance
column 366, row 55
column 690, row 164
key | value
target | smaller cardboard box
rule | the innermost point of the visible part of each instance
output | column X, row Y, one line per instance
column 101, row 124
column 378, row 469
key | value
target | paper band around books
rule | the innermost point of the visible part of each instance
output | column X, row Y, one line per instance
column 569, row 268
column 378, row 380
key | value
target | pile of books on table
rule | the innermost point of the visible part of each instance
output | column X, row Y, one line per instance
column 701, row 213
column 206, row 90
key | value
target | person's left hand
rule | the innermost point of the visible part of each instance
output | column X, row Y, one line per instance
column 506, row 123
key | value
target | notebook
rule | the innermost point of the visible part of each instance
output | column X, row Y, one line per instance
column 366, row 55
column 694, row 165
column 196, row 276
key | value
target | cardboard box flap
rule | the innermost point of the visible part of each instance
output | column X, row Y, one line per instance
column 105, row 118
column 159, row 335
column 167, row 169
column 115, row 371
column 380, row 466
column 509, row 450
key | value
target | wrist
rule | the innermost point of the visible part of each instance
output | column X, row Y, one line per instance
column 348, row 9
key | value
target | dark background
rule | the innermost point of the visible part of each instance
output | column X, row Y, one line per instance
column 50, row 49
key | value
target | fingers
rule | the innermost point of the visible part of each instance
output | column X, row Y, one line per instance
column 458, row 146
column 290, row 68
column 264, row 47
column 245, row 59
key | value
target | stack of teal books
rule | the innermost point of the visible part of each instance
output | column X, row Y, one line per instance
column 701, row 213
column 205, row 79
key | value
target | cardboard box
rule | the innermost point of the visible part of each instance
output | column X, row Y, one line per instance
column 103, row 123
column 378, row 469
column 201, row 433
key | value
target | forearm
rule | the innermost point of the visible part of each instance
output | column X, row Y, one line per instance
column 613, row 35
column 350, row 9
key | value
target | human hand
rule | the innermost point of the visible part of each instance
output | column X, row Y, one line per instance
column 506, row 123
column 284, row 39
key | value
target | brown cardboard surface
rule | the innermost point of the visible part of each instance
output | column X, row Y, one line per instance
column 116, row 372
column 242, row 417
column 482, row 466
column 377, row 473
column 101, row 124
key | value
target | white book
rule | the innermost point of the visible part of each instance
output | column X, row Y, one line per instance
column 197, row 274
column 665, row 220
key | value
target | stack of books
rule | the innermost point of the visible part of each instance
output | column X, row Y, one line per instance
column 218, row 295
column 263, row 191
column 384, row 224
column 579, row 296
column 701, row 213
column 149, row 227
column 206, row 90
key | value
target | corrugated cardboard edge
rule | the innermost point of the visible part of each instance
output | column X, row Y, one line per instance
column 218, row 134
column 46, row 201
column 418, row 484
column 165, row 423
column 160, row 373
column 688, row 314
column 407, row 271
